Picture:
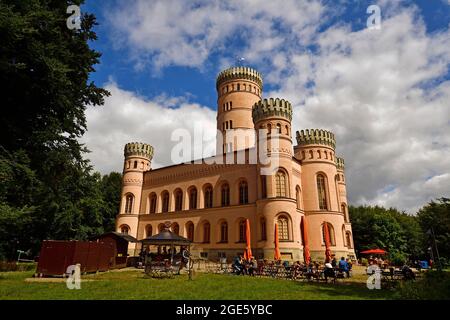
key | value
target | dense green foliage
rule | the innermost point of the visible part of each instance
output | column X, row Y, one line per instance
column 47, row 188
column 434, row 286
column 403, row 236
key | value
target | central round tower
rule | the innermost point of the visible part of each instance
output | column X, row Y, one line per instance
column 238, row 89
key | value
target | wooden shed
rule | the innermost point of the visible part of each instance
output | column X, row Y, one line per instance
column 119, row 243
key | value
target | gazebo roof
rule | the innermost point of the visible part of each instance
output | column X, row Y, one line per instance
column 118, row 235
column 166, row 237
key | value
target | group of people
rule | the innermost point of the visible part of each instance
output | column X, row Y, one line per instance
column 330, row 269
column 333, row 268
column 242, row 266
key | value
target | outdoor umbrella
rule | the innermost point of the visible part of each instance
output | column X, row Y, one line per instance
column 327, row 243
column 306, row 253
column 248, row 249
column 374, row 251
column 277, row 255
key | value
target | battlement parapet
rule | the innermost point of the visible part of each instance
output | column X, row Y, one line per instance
column 271, row 108
column 239, row 73
column 138, row 149
column 316, row 136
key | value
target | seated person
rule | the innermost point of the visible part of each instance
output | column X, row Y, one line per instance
column 343, row 267
column 252, row 267
column 329, row 271
column 237, row 266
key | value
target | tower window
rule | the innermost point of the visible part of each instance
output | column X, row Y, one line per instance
column 129, row 203
column 231, row 124
column 281, row 184
column 278, row 128
column 283, row 228
column 135, row 165
column 231, row 105
column 321, row 191
column 124, row 229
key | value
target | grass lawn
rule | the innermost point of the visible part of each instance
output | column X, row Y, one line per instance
column 135, row 285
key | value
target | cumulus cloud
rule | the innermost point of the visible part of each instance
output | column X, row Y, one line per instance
column 383, row 92
column 127, row 117
column 177, row 32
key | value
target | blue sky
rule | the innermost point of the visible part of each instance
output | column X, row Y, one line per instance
column 178, row 80
column 385, row 93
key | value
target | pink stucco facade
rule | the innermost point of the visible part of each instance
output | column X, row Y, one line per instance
column 208, row 203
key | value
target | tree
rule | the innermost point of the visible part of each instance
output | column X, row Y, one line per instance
column 436, row 216
column 47, row 188
column 388, row 229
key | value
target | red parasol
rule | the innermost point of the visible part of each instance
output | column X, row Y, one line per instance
column 306, row 253
column 327, row 243
column 374, row 251
column 248, row 249
column 277, row 254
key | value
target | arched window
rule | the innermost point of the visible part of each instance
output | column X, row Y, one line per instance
column 269, row 128
column 330, row 233
column 319, row 155
column 242, row 233
column 225, row 190
column 263, row 229
column 311, row 154
column 264, row 187
column 193, row 198
column 165, row 201
column 129, row 199
column 287, row 130
column 176, row 228
column 283, row 228
column 148, row 230
column 124, row 229
column 298, row 196
column 344, row 211
column 243, row 192
column 206, row 232
column 321, row 191
column 135, row 165
column 278, row 128
column 224, row 232
column 208, row 197
column 280, row 182
column 153, row 203
column 161, row 227
column 190, row 231
column 348, row 238
column 178, row 200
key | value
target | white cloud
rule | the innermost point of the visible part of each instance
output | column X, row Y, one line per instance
column 126, row 117
column 178, row 32
column 381, row 91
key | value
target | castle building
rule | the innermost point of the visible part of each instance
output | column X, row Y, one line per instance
column 209, row 202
